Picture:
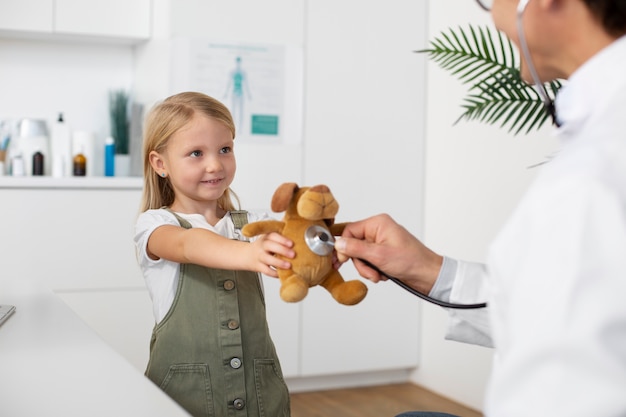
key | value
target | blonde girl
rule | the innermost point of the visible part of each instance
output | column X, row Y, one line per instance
column 210, row 350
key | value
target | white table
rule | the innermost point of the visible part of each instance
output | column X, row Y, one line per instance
column 52, row 364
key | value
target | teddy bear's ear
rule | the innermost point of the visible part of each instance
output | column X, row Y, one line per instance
column 282, row 196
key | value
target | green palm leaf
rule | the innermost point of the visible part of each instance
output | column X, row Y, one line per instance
column 485, row 59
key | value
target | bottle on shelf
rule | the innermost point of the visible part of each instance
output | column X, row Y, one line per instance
column 109, row 157
column 17, row 166
column 61, row 144
column 83, row 142
column 38, row 160
column 80, row 164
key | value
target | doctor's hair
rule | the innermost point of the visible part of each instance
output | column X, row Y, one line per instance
column 164, row 120
column 610, row 13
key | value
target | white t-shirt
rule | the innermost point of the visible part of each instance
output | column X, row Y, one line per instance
column 162, row 275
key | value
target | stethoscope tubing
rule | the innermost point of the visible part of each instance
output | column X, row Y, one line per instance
column 424, row 297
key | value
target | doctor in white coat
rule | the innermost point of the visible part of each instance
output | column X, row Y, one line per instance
column 555, row 276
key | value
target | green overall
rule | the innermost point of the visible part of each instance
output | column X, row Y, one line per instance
column 212, row 352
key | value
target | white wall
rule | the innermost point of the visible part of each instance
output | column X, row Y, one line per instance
column 475, row 174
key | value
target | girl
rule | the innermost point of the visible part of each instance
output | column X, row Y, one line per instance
column 210, row 350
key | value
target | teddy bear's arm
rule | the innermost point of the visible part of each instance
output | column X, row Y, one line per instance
column 262, row 227
column 337, row 229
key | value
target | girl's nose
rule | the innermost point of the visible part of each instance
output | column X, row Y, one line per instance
column 213, row 165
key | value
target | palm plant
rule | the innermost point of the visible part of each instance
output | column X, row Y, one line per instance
column 486, row 59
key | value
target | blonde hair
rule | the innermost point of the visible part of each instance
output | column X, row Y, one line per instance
column 165, row 119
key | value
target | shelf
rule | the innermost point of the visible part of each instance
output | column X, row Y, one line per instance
column 91, row 183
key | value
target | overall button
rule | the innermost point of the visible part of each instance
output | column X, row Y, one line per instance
column 233, row 324
column 239, row 403
column 229, row 285
column 235, row 363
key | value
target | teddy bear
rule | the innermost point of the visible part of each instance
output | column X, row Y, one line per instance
column 309, row 222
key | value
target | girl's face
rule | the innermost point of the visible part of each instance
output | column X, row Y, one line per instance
column 200, row 162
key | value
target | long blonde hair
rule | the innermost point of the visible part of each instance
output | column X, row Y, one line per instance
column 165, row 119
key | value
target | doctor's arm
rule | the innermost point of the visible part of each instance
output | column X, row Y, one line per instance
column 382, row 242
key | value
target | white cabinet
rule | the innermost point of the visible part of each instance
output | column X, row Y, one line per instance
column 114, row 18
column 27, row 15
column 110, row 19
column 78, row 241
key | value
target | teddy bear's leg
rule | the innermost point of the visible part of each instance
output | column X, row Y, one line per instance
column 345, row 292
column 292, row 287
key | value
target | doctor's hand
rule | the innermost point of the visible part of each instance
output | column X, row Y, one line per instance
column 387, row 245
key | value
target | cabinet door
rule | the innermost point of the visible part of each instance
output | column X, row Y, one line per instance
column 380, row 333
column 114, row 18
column 285, row 327
column 26, row 15
column 73, row 239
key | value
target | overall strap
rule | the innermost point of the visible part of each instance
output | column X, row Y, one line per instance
column 183, row 223
column 240, row 219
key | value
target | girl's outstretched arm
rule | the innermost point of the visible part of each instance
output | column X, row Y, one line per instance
column 203, row 247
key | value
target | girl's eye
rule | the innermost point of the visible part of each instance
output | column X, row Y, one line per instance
column 196, row 154
column 226, row 149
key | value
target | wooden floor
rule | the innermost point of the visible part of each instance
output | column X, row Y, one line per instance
column 379, row 401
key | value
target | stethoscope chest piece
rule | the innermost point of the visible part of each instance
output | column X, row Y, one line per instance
column 319, row 240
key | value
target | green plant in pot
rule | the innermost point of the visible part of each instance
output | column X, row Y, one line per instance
column 120, row 130
column 486, row 59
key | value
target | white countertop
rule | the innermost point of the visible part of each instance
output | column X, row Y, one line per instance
column 52, row 364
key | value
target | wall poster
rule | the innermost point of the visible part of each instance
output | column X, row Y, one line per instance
column 260, row 84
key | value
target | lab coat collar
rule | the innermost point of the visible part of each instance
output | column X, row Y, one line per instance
column 590, row 87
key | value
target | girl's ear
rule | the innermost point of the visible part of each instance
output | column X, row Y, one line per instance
column 156, row 161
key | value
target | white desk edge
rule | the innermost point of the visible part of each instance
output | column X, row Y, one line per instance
column 53, row 364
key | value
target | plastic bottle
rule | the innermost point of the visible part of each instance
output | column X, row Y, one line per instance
column 17, row 166
column 80, row 164
column 61, row 144
column 109, row 157
column 38, row 163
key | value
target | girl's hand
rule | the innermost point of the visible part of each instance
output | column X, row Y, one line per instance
column 264, row 250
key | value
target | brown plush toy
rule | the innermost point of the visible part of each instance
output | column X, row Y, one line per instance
column 309, row 223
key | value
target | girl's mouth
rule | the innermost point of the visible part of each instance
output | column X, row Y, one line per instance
column 213, row 181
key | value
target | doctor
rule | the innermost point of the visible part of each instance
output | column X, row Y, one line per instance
column 555, row 277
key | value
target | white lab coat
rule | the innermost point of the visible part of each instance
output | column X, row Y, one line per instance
column 555, row 278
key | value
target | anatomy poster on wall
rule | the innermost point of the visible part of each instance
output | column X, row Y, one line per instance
column 260, row 84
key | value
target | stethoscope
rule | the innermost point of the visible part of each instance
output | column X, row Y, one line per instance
column 539, row 85
column 322, row 243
